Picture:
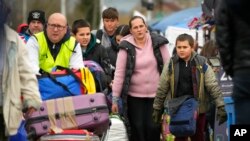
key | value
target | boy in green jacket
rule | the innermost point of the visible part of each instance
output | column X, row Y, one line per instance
column 188, row 73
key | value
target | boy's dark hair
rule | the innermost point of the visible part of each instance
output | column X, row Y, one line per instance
column 133, row 18
column 122, row 30
column 110, row 13
column 79, row 24
column 185, row 37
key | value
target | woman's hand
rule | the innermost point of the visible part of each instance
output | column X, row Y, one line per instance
column 114, row 108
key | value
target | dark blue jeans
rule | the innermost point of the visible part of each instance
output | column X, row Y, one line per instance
column 241, row 96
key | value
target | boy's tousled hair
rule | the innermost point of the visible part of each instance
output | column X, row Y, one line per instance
column 110, row 13
column 80, row 23
column 185, row 37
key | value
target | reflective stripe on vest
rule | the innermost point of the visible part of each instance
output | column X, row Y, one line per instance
column 46, row 61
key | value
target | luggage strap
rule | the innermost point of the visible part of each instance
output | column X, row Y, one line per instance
column 67, row 113
column 51, row 110
column 65, row 108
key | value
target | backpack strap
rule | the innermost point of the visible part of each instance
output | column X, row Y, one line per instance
column 202, row 66
column 201, row 62
column 170, row 69
column 170, row 65
column 99, row 34
column 75, row 47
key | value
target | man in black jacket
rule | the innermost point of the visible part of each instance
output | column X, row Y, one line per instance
column 233, row 38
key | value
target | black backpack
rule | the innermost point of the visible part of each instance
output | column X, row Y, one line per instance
column 99, row 34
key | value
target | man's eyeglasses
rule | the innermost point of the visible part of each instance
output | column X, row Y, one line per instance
column 53, row 26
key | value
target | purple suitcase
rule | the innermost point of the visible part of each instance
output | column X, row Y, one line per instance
column 89, row 112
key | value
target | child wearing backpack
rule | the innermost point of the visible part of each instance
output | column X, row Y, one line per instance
column 188, row 73
column 92, row 50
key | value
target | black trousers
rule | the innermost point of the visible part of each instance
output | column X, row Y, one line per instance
column 140, row 116
column 2, row 127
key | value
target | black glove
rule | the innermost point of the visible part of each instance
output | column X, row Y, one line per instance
column 156, row 116
column 221, row 114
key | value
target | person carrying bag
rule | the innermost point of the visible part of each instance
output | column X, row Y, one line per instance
column 183, row 115
column 188, row 74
